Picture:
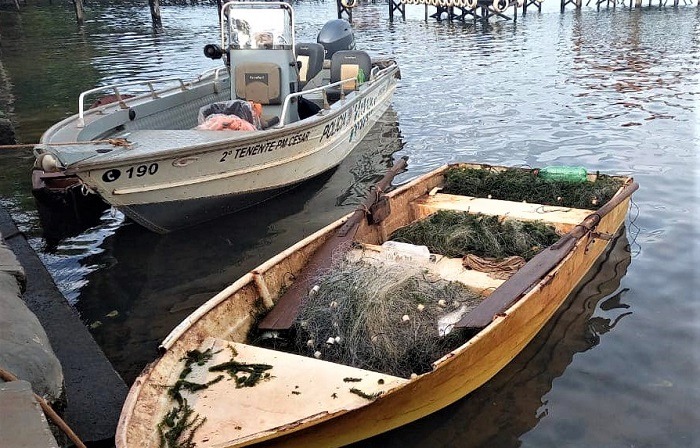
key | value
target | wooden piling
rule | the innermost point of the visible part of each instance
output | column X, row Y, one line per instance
column 396, row 5
column 154, row 5
column 79, row 11
column 342, row 9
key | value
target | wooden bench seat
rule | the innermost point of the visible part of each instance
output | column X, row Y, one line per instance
column 449, row 269
column 562, row 218
column 298, row 387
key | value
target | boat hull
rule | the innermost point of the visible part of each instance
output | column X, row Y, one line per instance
column 164, row 217
column 161, row 176
column 228, row 316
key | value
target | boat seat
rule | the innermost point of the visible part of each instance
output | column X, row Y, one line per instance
column 289, row 396
column 563, row 219
column 310, row 59
column 259, row 82
column 347, row 64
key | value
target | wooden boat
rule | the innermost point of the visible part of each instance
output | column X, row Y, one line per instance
column 309, row 402
column 146, row 155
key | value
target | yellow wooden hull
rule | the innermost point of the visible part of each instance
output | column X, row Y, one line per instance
column 230, row 315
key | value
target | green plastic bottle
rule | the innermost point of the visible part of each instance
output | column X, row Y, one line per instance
column 361, row 76
column 563, row 173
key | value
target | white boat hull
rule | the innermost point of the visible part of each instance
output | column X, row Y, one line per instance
column 169, row 179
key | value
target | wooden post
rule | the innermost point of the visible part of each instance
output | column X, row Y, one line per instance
column 343, row 9
column 79, row 11
column 154, row 5
column 396, row 5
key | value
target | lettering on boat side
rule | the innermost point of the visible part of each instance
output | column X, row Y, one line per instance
column 361, row 111
column 358, row 126
column 264, row 147
column 361, row 107
column 132, row 171
column 335, row 125
column 111, row 175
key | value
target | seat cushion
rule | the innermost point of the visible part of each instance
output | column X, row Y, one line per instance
column 259, row 82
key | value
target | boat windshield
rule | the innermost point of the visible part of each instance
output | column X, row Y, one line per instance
column 260, row 29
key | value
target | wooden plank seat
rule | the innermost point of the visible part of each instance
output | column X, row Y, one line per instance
column 562, row 218
column 298, row 387
column 450, row 269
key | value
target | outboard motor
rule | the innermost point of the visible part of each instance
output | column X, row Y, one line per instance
column 336, row 35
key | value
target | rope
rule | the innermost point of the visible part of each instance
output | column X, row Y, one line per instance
column 7, row 376
column 496, row 268
column 112, row 141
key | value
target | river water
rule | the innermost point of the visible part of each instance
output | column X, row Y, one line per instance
column 612, row 90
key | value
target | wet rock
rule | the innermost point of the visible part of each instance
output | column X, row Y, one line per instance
column 25, row 350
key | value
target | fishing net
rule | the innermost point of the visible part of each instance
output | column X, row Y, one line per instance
column 516, row 184
column 390, row 318
column 455, row 234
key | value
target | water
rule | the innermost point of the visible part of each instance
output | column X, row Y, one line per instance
column 615, row 90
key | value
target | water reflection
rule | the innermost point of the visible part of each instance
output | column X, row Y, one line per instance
column 513, row 401
column 634, row 68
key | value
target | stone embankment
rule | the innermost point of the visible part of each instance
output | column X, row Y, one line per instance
column 44, row 342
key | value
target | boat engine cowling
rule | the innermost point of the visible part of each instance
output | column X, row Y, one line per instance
column 336, row 35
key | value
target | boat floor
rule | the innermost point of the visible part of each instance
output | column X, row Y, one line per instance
column 299, row 389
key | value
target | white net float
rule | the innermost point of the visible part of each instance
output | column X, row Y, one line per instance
column 471, row 4
column 349, row 3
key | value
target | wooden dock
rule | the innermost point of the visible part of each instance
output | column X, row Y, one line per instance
column 483, row 10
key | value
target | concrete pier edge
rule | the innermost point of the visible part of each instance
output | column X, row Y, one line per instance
column 94, row 392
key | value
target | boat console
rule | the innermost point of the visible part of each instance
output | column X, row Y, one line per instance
column 266, row 66
column 258, row 39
